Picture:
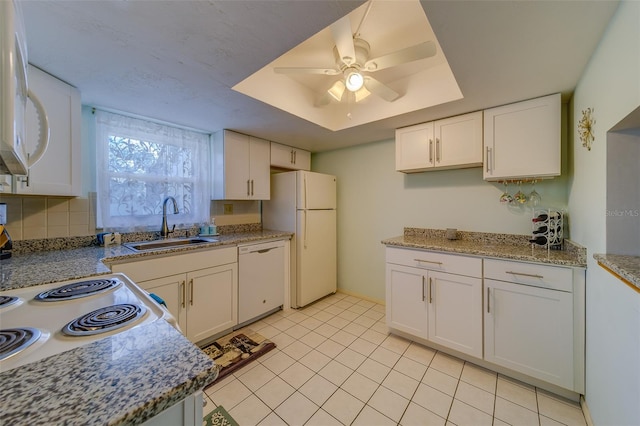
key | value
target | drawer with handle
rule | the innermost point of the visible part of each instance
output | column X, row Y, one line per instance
column 435, row 261
column 544, row 276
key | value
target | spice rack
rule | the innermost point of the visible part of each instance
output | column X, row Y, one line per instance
column 548, row 229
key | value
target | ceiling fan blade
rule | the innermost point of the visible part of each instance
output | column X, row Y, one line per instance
column 341, row 31
column 409, row 54
column 303, row 70
column 380, row 89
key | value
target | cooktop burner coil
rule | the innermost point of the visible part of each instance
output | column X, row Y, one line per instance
column 14, row 340
column 104, row 319
column 8, row 300
column 77, row 290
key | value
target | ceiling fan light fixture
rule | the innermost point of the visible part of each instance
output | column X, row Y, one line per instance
column 362, row 94
column 337, row 90
column 354, row 81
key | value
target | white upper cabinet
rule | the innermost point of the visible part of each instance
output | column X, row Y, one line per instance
column 522, row 140
column 286, row 157
column 414, row 148
column 454, row 142
column 59, row 170
column 241, row 167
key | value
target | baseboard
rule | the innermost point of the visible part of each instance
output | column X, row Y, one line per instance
column 361, row 296
column 585, row 411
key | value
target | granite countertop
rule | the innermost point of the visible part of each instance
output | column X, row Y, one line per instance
column 501, row 246
column 43, row 267
column 627, row 268
column 123, row 379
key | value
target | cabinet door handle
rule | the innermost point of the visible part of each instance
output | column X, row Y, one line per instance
column 430, row 150
column 252, row 187
column 291, row 156
column 430, row 290
column 428, row 261
column 488, row 159
column 183, row 291
column 438, row 150
column 191, row 291
column 525, row 275
column 488, row 300
column 24, row 179
column 295, row 155
column 423, row 283
column 248, row 187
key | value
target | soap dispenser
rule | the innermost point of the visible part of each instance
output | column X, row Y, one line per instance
column 5, row 239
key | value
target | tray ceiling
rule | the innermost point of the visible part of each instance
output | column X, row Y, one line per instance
column 178, row 61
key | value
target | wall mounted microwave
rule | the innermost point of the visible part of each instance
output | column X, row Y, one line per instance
column 15, row 157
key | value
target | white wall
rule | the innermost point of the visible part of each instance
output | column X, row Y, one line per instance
column 610, row 85
column 375, row 202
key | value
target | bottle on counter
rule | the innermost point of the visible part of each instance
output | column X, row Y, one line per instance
column 541, row 240
column 543, row 217
column 541, row 230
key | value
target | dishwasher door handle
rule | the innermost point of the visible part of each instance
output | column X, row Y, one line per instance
column 265, row 250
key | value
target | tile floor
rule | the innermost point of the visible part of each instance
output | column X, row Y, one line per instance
column 336, row 364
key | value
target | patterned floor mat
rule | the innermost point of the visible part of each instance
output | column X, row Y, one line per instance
column 236, row 350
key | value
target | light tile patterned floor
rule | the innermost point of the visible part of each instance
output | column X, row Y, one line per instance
column 336, row 364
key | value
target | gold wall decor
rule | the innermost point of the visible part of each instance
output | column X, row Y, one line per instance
column 585, row 128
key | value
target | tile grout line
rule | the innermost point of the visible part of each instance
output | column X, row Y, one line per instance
column 374, row 322
column 317, row 373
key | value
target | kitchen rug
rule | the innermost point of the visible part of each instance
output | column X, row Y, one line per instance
column 236, row 350
column 219, row 417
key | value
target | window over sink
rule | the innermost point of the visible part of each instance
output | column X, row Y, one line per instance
column 140, row 163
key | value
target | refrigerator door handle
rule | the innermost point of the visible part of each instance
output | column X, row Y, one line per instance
column 305, row 206
column 304, row 231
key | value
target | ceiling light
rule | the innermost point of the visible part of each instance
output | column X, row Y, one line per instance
column 337, row 90
column 361, row 94
column 354, row 81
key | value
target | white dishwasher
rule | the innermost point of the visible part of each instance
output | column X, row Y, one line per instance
column 261, row 276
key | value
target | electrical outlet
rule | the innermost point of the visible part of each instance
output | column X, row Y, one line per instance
column 228, row 209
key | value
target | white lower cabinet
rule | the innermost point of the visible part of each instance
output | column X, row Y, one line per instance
column 442, row 307
column 202, row 301
column 518, row 317
column 530, row 330
column 199, row 288
column 455, row 312
column 187, row 412
column 172, row 290
column 534, row 320
column 406, row 300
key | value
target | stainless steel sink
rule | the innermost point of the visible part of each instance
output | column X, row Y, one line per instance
column 168, row 244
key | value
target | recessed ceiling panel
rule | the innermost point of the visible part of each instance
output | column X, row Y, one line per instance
column 387, row 27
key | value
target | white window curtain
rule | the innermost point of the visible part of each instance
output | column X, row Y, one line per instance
column 139, row 164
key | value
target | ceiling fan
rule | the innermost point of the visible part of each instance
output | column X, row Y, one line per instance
column 352, row 61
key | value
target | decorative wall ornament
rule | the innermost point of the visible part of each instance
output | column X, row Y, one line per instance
column 585, row 128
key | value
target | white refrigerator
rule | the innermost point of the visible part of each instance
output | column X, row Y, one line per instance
column 305, row 203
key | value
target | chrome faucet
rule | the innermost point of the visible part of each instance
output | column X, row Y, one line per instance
column 164, row 232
